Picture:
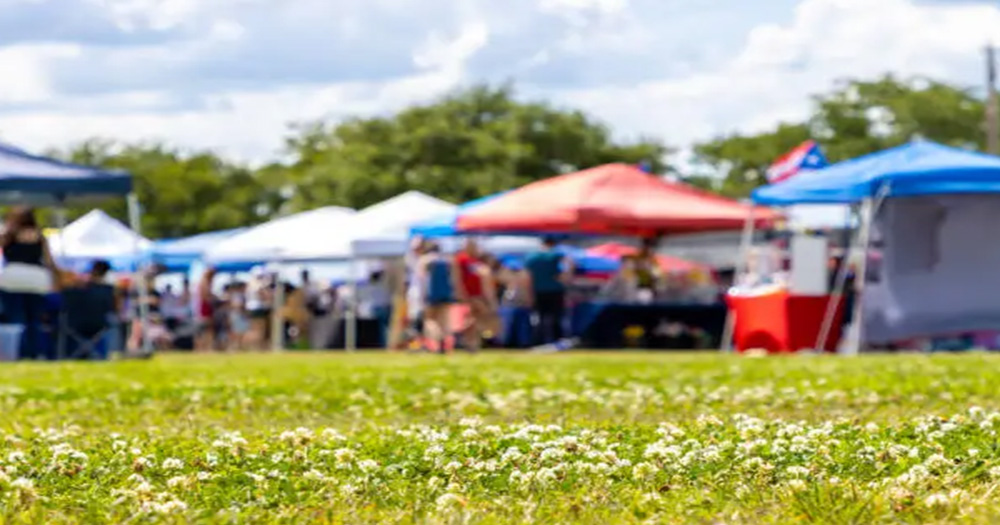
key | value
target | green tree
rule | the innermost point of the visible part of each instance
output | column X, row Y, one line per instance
column 856, row 118
column 181, row 194
column 466, row 145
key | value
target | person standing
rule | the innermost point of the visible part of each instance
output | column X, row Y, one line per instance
column 472, row 290
column 29, row 273
column 206, row 313
column 438, row 277
column 548, row 271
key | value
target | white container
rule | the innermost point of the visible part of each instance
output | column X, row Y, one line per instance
column 10, row 341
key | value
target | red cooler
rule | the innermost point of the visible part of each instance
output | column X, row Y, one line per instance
column 780, row 322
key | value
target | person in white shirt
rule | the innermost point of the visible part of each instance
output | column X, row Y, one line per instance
column 257, row 302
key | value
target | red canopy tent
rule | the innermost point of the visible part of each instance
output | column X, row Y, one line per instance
column 614, row 199
column 665, row 262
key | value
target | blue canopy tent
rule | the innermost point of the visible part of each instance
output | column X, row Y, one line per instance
column 917, row 168
column 930, row 209
column 31, row 179
column 177, row 255
column 41, row 181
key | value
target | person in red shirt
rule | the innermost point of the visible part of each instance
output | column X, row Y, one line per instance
column 476, row 291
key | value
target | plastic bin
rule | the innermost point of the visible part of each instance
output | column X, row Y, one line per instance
column 10, row 341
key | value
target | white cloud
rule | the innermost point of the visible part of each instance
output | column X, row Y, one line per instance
column 240, row 70
column 25, row 77
column 772, row 78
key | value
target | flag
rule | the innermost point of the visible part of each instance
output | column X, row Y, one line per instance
column 807, row 156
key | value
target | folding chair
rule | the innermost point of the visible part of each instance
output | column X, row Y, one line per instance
column 85, row 321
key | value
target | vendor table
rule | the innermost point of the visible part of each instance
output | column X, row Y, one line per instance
column 603, row 325
column 782, row 322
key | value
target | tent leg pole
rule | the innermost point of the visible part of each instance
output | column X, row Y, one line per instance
column 836, row 295
column 135, row 222
column 856, row 335
column 61, row 225
column 277, row 319
column 746, row 240
column 351, row 312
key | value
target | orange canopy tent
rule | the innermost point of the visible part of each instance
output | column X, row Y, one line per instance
column 666, row 263
column 614, row 199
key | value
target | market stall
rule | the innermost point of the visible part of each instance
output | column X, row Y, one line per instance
column 39, row 181
column 929, row 211
column 618, row 200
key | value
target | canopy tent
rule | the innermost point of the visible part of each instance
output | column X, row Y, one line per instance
column 177, row 255
column 614, row 199
column 27, row 178
column 916, row 168
column 446, row 224
column 666, row 263
column 383, row 229
column 929, row 209
column 96, row 236
column 444, row 228
column 286, row 239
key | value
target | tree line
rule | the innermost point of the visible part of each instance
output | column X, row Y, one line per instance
column 482, row 140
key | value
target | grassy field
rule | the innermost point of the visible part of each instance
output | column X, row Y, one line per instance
column 602, row 438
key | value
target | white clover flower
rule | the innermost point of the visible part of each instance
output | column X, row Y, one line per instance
column 314, row 475
column 330, row 434
column 796, row 485
column 449, row 502
column 171, row 506
column 178, row 482
column 368, row 466
column 343, row 455
column 16, row 457
column 643, row 471
column 797, row 471
column 937, row 500
column 452, row 467
column 937, row 462
column 172, row 464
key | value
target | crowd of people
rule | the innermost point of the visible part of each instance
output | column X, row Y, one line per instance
column 429, row 300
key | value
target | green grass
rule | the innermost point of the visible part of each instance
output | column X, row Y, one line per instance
column 593, row 438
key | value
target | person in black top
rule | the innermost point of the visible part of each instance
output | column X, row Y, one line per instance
column 29, row 274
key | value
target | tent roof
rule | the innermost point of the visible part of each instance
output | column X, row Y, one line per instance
column 97, row 235
column 25, row 177
column 611, row 199
column 179, row 254
column 917, row 168
column 383, row 229
column 283, row 239
column 446, row 224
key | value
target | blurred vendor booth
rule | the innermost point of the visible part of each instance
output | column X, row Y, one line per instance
column 925, row 251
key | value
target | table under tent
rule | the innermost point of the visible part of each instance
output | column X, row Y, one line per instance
column 926, row 244
column 39, row 181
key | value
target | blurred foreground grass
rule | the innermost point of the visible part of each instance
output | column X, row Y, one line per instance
column 318, row 437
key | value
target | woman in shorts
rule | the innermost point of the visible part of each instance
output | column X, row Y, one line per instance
column 437, row 277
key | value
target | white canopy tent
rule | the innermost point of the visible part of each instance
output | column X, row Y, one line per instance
column 285, row 239
column 97, row 235
column 384, row 228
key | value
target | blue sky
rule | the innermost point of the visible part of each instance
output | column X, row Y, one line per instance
column 230, row 74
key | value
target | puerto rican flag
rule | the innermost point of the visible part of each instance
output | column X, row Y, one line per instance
column 807, row 156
